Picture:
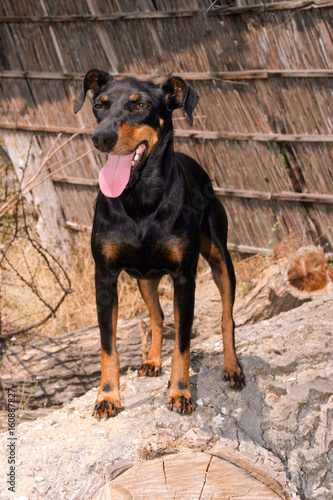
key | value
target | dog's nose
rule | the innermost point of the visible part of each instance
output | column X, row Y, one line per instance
column 104, row 140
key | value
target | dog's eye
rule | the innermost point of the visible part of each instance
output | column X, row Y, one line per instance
column 99, row 106
column 142, row 105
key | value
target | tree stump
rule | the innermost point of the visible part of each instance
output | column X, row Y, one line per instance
column 187, row 475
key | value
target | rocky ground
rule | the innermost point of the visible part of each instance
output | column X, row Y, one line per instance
column 279, row 428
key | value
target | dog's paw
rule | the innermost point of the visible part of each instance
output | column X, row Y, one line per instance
column 235, row 377
column 181, row 404
column 149, row 369
column 106, row 409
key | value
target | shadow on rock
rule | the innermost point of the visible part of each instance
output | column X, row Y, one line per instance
column 236, row 411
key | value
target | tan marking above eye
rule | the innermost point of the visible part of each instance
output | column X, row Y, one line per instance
column 104, row 98
column 134, row 97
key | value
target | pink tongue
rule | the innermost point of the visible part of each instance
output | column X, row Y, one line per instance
column 115, row 174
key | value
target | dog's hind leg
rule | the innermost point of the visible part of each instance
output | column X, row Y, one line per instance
column 214, row 248
column 149, row 291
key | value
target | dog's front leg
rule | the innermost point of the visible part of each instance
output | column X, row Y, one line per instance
column 108, row 398
column 180, row 392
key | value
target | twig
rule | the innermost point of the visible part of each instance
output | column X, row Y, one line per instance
column 56, row 171
column 34, row 325
column 144, row 334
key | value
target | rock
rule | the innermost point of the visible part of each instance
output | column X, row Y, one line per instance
column 197, row 438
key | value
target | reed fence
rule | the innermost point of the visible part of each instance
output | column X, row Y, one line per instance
column 262, row 128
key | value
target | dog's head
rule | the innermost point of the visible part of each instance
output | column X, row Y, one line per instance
column 132, row 116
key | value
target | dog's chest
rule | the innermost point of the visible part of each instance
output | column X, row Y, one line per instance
column 144, row 258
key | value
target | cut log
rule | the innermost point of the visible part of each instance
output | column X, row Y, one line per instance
column 188, row 475
column 284, row 285
column 54, row 370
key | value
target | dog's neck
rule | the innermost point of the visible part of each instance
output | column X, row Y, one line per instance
column 149, row 185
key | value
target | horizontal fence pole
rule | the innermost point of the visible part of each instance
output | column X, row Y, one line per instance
column 257, row 137
column 247, row 249
column 77, row 226
column 171, row 14
column 253, row 74
column 46, row 128
column 78, row 181
column 231, row 246
column 232, row 193
column 277, row 6
column 282, row 196
column 186, row 134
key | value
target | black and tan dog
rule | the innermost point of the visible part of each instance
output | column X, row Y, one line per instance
column 155, row 213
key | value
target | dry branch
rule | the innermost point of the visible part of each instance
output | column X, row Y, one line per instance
column 144, row 334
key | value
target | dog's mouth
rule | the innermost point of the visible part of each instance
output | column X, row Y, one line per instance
column 140, row 154
column 115, row 174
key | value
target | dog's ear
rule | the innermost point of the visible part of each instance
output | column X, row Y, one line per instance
column 95, row 79
column 178, row 94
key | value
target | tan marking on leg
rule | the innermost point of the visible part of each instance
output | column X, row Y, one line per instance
column 149, row 292
column 108, row 401
column 161, row 122
column 109, row 376
column 231, row 368
column 180, row 396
